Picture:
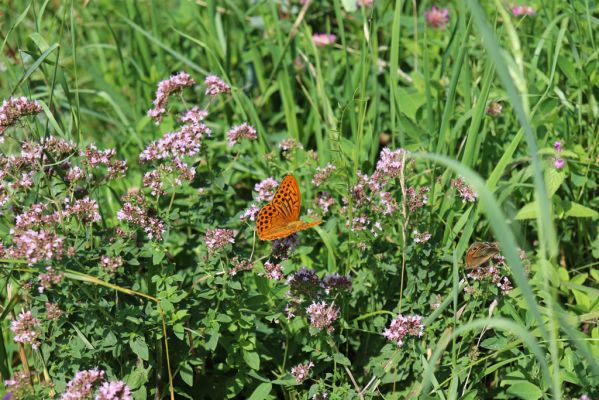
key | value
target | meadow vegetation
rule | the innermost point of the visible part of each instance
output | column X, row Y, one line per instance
column 140, row 139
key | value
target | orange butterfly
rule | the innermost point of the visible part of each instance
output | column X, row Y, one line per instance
column 480, row 252
column 280, row 217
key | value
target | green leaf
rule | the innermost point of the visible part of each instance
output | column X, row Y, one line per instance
column 349, row 5
column 529, row 211
column 553, row 180
column 341, row 359
column 579, row 211
column 186, row 373
column 140, row 347
column 261, row 391
column 252, row 359
column 525, row 390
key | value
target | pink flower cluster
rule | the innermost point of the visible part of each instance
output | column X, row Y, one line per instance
column 417, row 198
column 177, row 170
column 558, row 162
column 53, row 311
column 250, row 213
column 215, row 86
column 403, row 326
column 86, row 210
column 36, row 246
column 137, row 213
column 116, row 390
column 93, row 157
column 243, row 131
column 520, row 10
column 290, row 144
column 218, row 238
column 81, row 386
column 19, row 386
column 240, row 265
column 324, row 201
column 266, row 189
column 322, row 315
column 15, row 108
column 466, row 192
column 322, row 174
column 421, row 237
column 174, row 84
column 273, row 271
column 110, row 264
column 49, row 278
column 184, row 142
column 323, row 39
column 437, row 18
column 301, row 371
column 388, row 167
column 26, row 329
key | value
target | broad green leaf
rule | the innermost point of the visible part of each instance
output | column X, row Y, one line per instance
column 529, row 211
column 579, row 211
column 140, row 347
column 252, row 359
column 525, row 390
column 341, row 359
column 553, row 180
column 186, row 373
column 261, row 391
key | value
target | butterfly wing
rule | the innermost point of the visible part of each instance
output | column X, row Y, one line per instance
column 480, row 252
column 280, row 218
column 284, row 231
column 287, row 200
column 269, row 218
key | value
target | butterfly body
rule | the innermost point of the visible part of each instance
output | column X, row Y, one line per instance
column 280, row 217
column 480, row 252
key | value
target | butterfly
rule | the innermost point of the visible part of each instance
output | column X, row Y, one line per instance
column 280, row 217
column 480, row 252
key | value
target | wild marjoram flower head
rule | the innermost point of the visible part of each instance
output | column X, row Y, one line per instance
column 301, row 371
column 115, row 390
column 243, row 131
column 19, row 387
column 13, row 109
column 49, row 278
column 437, row 17
column 466, row 192
column 218, row 238
column 215, row 86
column 322, row 174
column 82, row 385
column 167, row 87
column 136, row 212
column 403, row 326
column 26, row 329
column 266, row 189
column 322, row 315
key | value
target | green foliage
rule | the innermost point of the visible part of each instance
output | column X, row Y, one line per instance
column 156, row 303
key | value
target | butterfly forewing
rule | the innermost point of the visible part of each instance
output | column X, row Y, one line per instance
column 480, row 252
column 287, row 200
column 280, row 218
